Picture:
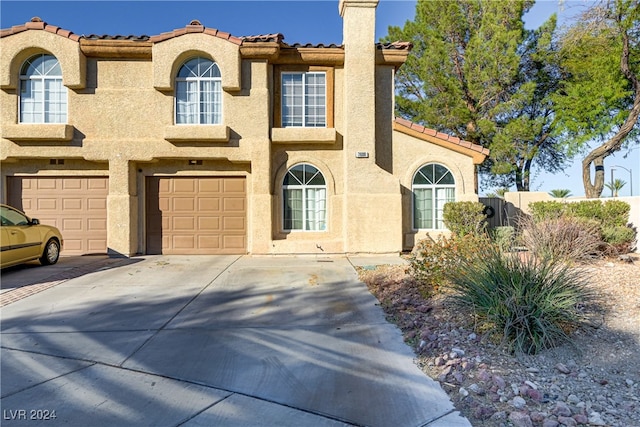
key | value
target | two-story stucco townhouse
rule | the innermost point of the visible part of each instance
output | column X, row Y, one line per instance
column 198, row 142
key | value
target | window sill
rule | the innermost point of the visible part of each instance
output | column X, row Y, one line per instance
column 308, row 135
column 38, row 132
column 195, row 133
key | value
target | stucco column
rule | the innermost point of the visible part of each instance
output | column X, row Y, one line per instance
column 373, row 204
column 122, row 208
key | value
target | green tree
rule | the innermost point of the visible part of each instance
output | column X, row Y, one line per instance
column 477, row 73
column 560, row 193
column 600, row 96
column 615, row 186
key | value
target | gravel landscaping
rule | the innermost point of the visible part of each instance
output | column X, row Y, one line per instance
column 593, row 382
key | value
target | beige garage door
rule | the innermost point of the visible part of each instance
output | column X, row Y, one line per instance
column 76, row 205
column 196, row 215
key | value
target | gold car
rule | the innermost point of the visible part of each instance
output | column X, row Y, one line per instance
column 24, row 239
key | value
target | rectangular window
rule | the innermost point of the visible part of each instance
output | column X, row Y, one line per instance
column 428, row 204
column 304, row 99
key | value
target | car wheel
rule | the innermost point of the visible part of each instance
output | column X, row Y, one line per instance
column 51, row 253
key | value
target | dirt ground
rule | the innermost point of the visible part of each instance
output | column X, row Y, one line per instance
column 594, row 381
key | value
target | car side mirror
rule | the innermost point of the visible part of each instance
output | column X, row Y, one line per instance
column 34, row 221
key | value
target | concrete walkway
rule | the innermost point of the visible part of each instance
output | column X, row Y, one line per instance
column 208, row 341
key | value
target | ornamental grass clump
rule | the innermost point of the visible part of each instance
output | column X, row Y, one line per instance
column 531, row 304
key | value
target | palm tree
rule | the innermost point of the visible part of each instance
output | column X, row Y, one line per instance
column 560, row 193
column 616, row 186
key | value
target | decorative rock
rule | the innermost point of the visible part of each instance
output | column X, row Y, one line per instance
column 562, row 368
column 531, row 384
column 581, row 418
column 520, row 419
column 500, row 415
column 458, row 351
column 596, row 419
column 483, row 375
column 537, row 417
column 477, row 389
column 567, row 421
column 534, row 394
column 550, row 423
column 439, row 361
column 561, row 410
column 518, row 402
column 483, row 412
column 573, row 399
column 499, row 381
column 472, row 337
column 463, row 392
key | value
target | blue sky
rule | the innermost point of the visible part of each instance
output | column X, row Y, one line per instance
column 299, row 21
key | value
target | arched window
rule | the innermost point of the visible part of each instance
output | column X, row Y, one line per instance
column 199, row 93
column 43, row 98
column 433, row 186
column 304, row 194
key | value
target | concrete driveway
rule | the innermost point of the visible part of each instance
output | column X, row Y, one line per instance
column 207, row 341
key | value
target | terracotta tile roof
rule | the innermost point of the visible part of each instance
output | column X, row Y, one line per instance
column 442, row 136
column 38, row 24
column 398, row 45
column 195, row 27
column 273, row 37
column 116, row 37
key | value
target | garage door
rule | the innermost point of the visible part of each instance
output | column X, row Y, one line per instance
column 196, row 215
column 76, row 205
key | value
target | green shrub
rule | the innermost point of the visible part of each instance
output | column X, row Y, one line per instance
column 610, row 217
column 546, row 210
column 532, row 304
column 463, row 218
column 503, row 237
column 618, row 235
column 432, row 259
column 615, row 213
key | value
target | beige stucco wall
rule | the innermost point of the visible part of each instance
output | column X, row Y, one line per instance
column 121, row 124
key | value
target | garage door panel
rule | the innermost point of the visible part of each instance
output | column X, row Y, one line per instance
column 196, row 215
column 72, row 204
column 46, row 184
column 184, row 224
column 209, row 223
column 234, row 185
column 184, row 186
column 209, row 204
column 234, row 242
column 209, row 242
column 184, row 242
column 233, row 204
column 74, row 224
column 209, row 185
column 72, row 184
column 47, row 204
column 76, row 205
column 97, row 224
column 183, row 204
column 96, row 204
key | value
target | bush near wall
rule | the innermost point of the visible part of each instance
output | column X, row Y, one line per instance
column 463, row 218
column 612, row 217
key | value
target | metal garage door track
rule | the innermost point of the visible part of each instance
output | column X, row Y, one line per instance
column 213, row 341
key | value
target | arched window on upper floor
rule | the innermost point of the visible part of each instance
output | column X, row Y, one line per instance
column 199, row 93
column 433, row 186
column 43, row 98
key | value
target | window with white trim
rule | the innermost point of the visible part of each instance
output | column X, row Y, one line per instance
column 433, row 186
column 304, row 195
column 43, row 97
column 304, row 99
column 199, row 93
